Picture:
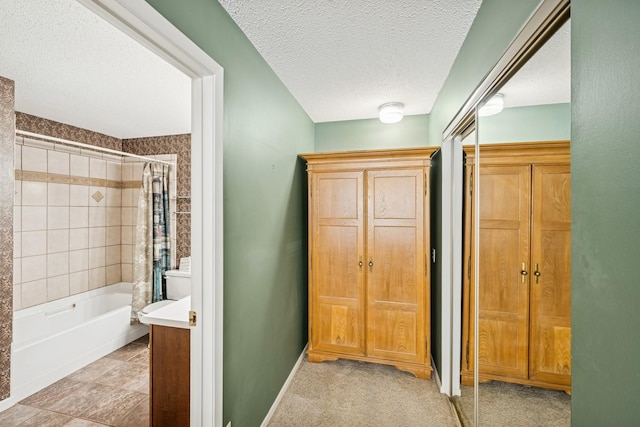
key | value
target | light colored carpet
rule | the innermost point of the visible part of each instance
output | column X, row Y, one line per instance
column 507, row 405
column 348, row 393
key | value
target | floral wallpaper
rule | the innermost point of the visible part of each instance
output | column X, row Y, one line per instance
column 7, row 132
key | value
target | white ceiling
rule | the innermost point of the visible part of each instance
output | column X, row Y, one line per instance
column 340, row 59
column 71, row 66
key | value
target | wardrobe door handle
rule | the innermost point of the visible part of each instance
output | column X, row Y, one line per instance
column 523, row 272
column 360, row 264
column 536, row 273
column 370, row 264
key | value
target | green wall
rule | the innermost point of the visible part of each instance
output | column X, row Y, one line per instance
column 265, row 265
column 533, row 123
column 605, row 200
column 412, row 131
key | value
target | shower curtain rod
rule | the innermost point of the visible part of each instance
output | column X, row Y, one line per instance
column 89, row 147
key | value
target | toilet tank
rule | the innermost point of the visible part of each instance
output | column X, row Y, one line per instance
column 178, row 284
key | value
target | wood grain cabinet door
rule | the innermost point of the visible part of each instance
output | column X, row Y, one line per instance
column 504, row 294
column 550, row 343
column 337, row 279
column 395, row 264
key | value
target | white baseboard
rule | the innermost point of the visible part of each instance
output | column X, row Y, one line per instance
column 284, row 388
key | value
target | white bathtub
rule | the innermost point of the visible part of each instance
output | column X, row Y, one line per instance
column 52, row 340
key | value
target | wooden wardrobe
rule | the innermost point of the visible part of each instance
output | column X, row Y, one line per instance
column 369, row 287
column 525, row 265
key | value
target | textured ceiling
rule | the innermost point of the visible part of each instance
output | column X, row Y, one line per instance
column 71, row 66
column 341, row 59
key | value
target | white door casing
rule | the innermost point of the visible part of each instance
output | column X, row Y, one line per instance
column 145, row 25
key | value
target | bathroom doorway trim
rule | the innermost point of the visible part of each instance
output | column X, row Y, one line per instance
column 144, row 24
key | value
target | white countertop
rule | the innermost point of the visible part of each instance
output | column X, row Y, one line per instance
column 175, row 315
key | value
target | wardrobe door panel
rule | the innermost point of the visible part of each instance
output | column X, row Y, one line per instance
column 550, row 345
column 504, row 247
column 337, row 279
column 395, row 265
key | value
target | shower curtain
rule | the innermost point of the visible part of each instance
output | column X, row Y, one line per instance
column 152, row 255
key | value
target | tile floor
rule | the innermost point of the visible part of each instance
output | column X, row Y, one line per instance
column 112, row 391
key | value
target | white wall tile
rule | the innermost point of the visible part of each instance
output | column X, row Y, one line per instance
column 127, row 236
column 78, row 166
column 97, row 278
column 78, row 217
column 113, row 274
column 97, row 257
column 17, row 271
column 114, row 171
column 17, row 245
column 79, row 282
column 58, row 194
column 57, row 287
column 97, row 216
column 97, row 168
column 127, row 172
column 114, row 196
column 58, row 162
column 127, row 272
column 17, row 297
column 17, row 218
column 128, row 216
column 127, row 254
column 17, row 193
column 113, row 255
column 113, row 216
column 78, row 195
column 78, row 260
column 57, row 217
column 78, row 238
column 34, row 243
column 136, row 173
column 113, row 235
column 57, row 264
column 34, row 293
column 34, row 218
column 34, row 159
column 127, row 197
column 17, row 157
column 34, row 193
column 34, row 268
column 97, row 236
column 57, row 241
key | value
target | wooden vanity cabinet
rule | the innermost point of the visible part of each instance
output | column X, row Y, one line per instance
column 525, row 265
column 169, row 376
column 369, row 288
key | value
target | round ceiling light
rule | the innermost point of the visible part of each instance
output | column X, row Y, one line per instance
column 494, row 105
column 391, row 112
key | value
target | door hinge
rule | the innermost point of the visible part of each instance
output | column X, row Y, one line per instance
column 192, row 318
column 467, row 354
column 469, row 268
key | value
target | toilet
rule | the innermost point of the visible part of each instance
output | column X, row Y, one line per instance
column 178, row 287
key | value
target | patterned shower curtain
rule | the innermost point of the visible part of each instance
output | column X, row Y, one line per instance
column 152, row 255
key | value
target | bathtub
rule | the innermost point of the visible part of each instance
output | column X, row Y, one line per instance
column 52, row 340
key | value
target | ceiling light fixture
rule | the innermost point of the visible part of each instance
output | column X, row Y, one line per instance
column 391, row 112
column 494, row 105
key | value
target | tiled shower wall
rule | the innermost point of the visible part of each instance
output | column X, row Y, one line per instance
column 7, row 130
column 67, row 221
column 75, row 211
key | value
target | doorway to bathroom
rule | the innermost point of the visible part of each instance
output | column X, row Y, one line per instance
column 139, row 21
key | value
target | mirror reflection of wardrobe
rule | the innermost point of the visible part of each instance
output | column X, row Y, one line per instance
column 516, row 367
